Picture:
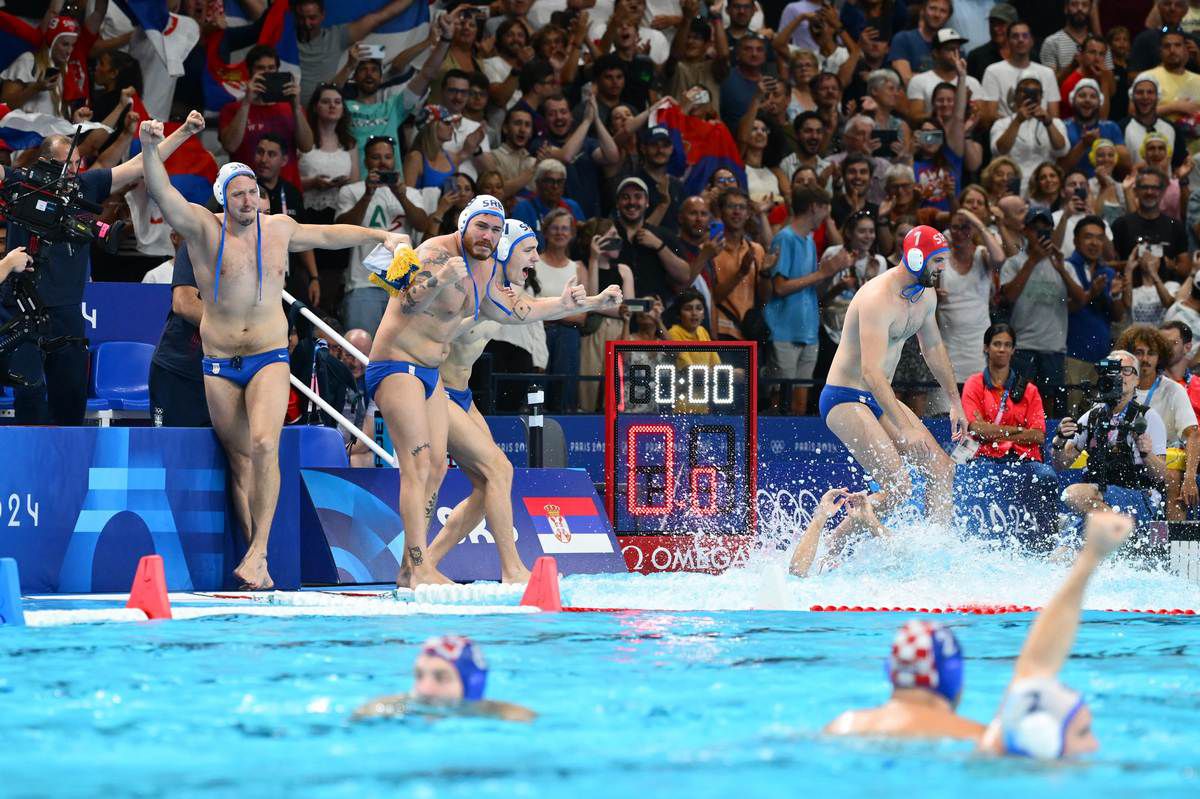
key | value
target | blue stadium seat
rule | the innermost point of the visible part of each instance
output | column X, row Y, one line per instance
column 120, row 376
column 6, row 398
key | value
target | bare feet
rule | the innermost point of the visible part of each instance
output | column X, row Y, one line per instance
column 252, row 573
column 422, row 575
column 516, row 576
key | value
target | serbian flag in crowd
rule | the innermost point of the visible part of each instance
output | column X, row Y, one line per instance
column 192, row 169
column 16, row 37
column 153, row 18
column 703, row 146
column 20, row 130
column 396, row 35
column 568, row 525
column 225, row 73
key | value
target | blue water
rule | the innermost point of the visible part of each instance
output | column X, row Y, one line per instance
column 682, row 704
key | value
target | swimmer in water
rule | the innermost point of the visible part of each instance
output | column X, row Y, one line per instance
column 449, row 676
column 470, row 439
column 243, row 328
column 926, row 671
column 858, row 403
column 1040, row 717
column 860, row 518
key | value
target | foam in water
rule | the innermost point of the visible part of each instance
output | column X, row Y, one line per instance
column 920, row 565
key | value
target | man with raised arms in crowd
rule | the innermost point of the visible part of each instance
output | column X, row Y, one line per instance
column 858, row 403
column 456, row 280
column 470, row 440
column 245, row 331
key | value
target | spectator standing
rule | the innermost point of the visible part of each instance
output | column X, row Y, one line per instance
column 1178, row 86
column 1031, row 134
column 1148, row 224
column 1092, row 301
column 243, row 122
column 322, row 48
column 627, row 18
column 858, row 231
column 549, row 180
column 947, row 53
column 324, row 169
column 1004, row 411
column 964, row 291
column 1060, row 50
column 852, row 199
column 765, row 183
column 1045, row 186
column 1145, row 118
column 649, row 251
column 512, row 159
column 555, row 269
column 1156, row 154
column 1076, row 202
column 463, row 32
column 858, row 138
column 1179, row 337
column 1086, row 127
column 738, row 270
column 690, row 64
column 1147, row 45
column 999, row 18
column 885, row 16
column 1186, row 310
column 604, row 270
column 1150, row 297
column 584, row 154
column 655, row 149
column 1090, row 59
column 792, row 311
column 429, row 164
column 513, row 51
column 1000, row 97
column 1034, row 285
column 912, row 50
column 740, row 87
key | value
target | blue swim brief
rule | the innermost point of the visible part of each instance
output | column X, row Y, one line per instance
column 832, row 396
column 378, row 370
column 461, row 397
column 241, row 369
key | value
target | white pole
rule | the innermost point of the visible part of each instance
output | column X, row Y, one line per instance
column 326, row 329
column 383, row 454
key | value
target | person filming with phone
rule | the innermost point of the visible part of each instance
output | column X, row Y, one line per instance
column 1032, row 134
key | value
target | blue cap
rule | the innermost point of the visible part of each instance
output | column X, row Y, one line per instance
column 926, row 655
column 461, row 653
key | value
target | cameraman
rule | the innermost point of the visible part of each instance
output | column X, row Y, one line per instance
column 16, row 261
column 1125, row 456
column 56, row 382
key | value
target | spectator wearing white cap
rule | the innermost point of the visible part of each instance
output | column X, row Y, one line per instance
column 1000, row 80
column 1143, row 94
column 1090, row 61
column 947, row 46
column 1086, row 128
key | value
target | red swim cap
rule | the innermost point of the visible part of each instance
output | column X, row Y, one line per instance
column 921, row 244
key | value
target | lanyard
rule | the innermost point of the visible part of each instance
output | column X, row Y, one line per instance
column 1000, row 410
column 1153, row 388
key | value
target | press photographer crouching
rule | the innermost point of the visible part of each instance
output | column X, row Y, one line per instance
column 1125, row 444
column 52, row 212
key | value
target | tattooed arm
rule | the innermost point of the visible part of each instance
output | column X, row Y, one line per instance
column 439, row 268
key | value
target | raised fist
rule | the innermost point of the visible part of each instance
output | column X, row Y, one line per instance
column 194, row 123
column 151, row 132
column 455, row 269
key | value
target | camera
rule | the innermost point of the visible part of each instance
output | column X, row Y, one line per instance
column 1110, row 457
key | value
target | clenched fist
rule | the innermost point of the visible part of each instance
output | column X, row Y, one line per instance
column 194, row 123
column 151, row 133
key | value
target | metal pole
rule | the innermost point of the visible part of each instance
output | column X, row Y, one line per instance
column 535, row 399
column 342, row 421
column 326, row 329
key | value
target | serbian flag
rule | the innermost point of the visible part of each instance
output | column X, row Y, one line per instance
column 16, row 37
column 569, row 525
column 701, row 147
column 225, row 74
column 153, row 18
column 192, row 169
column 396, row 35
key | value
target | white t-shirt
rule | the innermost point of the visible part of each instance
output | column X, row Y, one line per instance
column 553, row 278
column 1170, row 401
column 1039, row 316
column 1068, row 243
column 1190, row 317
column 963, row 315
column 1154, row 427
column 1135, row 131
column 1147, row 308
column 453, row 147
column 24, row 70
column 1032, row 145
column 324, row 163
column 161, row 273
column 660, row 48
column 383, row 213
column 158, row 78
column 1000, row 80
column 923, row 83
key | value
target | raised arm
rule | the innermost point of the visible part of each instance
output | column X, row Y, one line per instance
column 189, row 220
column 508, row 307
column 362, row 26
column 806, row 547
column 338, row 237
column 132, row 169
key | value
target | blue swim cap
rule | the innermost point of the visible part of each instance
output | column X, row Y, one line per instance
column 465, row 657
column 925, row 654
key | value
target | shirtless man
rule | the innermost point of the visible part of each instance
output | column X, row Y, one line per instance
column 470, row 440
column 244, row 330
column 858, row 403
column 926, row 671
column 457, row 284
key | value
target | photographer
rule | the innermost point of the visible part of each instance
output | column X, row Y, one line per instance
column 1126, row 444
column 55, row 390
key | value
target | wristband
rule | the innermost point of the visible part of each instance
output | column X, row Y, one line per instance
column 312, row 278
column 661, row 247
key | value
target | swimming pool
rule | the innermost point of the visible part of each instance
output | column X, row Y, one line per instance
column 701, row 704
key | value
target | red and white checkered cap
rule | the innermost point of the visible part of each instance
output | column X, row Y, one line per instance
column 913, row 663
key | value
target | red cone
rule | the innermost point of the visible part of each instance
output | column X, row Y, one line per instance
column 542, row 591
column 149, row 591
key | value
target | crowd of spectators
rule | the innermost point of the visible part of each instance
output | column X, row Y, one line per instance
column 1053, row 145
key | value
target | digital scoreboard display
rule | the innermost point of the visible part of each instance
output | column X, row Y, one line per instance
column 680, row 434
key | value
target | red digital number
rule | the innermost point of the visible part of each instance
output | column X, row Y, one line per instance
column 635, row 471
column 711, row 473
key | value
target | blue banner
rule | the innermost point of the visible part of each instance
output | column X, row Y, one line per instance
column 555, row 512
column 125, row 311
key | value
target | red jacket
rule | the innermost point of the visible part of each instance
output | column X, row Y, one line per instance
column 981, row 402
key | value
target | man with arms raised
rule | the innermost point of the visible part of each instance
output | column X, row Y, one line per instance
column 245, row 330
column 858, row 403
column 455, row 283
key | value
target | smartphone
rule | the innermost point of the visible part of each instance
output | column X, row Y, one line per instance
column 886, row 139
column 274, row 84
column 52, row 73
column 1014, row 186
column 611, row 243
column 701, row 97
column 1081, row 192
column 389, row 178
column 637, row 304
column 372, row 52
column 716, row 228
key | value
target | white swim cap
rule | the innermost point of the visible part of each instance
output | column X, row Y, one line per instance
column 228, row 173
column 1035, row 717
column 515, row 231
column 482, row 204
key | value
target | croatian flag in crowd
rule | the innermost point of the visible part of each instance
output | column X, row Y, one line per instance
column 20, row 130
column 225, row 73
column 192, row 169
column 396, row 35
column 16, row 37
column 704, row 146
column 568, row 525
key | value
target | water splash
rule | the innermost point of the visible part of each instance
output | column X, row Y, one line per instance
column 920, row 565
